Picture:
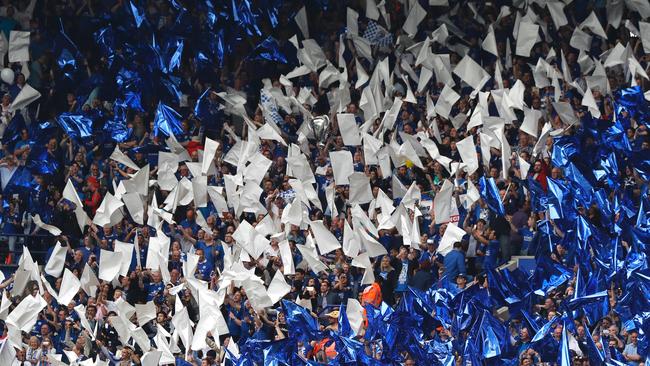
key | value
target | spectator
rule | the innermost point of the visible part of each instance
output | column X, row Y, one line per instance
column 454, row 261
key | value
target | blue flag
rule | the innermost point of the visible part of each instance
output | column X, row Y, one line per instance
column 490, row 194
column 167, row 121
column 77, row 126
column 268, row 50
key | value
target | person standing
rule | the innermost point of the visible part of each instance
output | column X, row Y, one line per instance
column 454, row 262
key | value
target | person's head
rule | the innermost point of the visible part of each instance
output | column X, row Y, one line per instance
column 201, row 255
column 556, row 173
column 324, row 286
column 634, row 337
column 549, row 304
column 78, row 256
column 385, row 263
column 34, row 343
column 524, row 334
column 461, row 280
column 156, row 276
column 127, row 352
column 91, row 311
column 403, row 253
column 161, row 317
column 236, row 297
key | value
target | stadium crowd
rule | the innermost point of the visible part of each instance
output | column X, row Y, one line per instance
column 240, row 232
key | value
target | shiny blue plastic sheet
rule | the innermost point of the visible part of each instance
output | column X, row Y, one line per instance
column 167, row 121
column 490, row 194
column 268, row 50
column 77, row 126
column 303, row 326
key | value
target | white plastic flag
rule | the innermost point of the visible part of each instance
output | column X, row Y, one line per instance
column 18, row 46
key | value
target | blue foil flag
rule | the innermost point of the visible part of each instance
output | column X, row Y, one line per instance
column 544, row 330
column 40, row 161
column 77, row 126
column 564, row 149
column 167, row 121
column 557, row 192
column 564, row 358
column 243, row 15
column 12, row 133
column 138, row 14
column 202, row 107
column 596, row 356
column 117, row 131
column 345, row 330
column 66, row 59
column 303, row 326
column 176, row 46
column 21, row 181
column 490, row 336
column 549, row 275
column 630, row 100
column 133, row 101
column 538, row 198
column 172, row 87
column 268, row 50
column 66, row 52
column 271, row 9
column 640, row 160
column 490, row 194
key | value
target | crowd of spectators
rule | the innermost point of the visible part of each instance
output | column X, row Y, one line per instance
column 39, row 158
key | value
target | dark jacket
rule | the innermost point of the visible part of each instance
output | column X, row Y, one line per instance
column 422, row 280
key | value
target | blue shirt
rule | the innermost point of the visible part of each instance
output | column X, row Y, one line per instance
column 454, row 264
column 191, row 224
column 213, row 253
column 491, row 254
column 403, row 277
column 153, row 289
column 527, row 239
column 203, row 270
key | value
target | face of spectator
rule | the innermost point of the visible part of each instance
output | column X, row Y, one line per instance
column 555, row 173
column 324, row 287
column 184, row 171
column 549, row 304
